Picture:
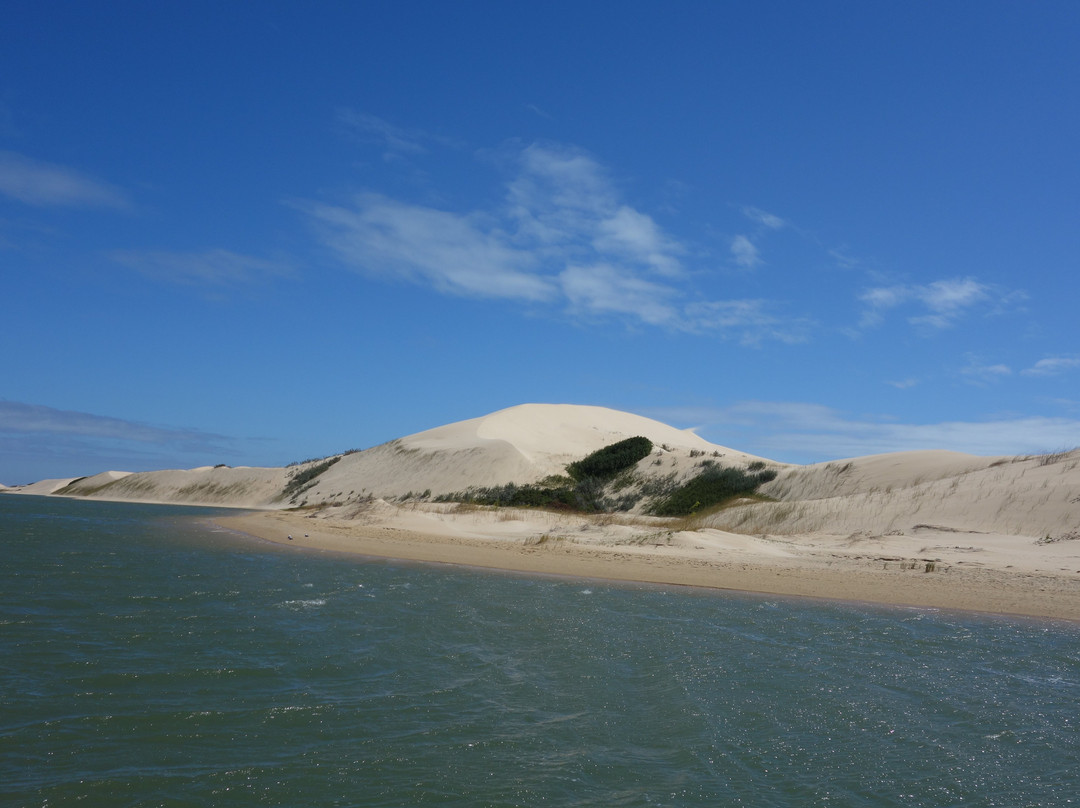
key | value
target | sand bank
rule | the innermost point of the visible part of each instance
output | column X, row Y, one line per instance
column 934, row 569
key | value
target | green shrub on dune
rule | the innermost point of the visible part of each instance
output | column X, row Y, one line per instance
column 301, row 480
column 713, row 487
column 583, row 490
column 610, row 460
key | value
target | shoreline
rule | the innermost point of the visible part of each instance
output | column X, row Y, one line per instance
column 791, row 568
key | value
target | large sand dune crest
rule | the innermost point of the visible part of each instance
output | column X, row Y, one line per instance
column 521, row 445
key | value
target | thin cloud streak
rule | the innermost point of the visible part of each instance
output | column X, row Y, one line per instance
column 1053, row 366
column 211, row 267
column 764, row 218
column 41, row 184
column 944, row 301
column 979, row 373
column 36, row 419
column 750, row 319
column 395, row 139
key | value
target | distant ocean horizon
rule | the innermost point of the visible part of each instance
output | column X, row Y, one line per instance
column 150, row 658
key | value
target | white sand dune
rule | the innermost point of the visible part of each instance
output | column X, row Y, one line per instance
column 1037, row 496
column 521, row 445
column 239, row 487
column 104, row 478
column 41, row 487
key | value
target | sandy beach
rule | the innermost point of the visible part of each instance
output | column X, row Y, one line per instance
column 934, row 569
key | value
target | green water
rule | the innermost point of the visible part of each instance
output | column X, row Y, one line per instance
column 148, row 659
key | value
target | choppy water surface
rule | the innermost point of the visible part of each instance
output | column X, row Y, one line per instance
column 149, row 659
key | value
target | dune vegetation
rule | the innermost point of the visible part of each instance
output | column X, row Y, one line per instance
column 606, row 481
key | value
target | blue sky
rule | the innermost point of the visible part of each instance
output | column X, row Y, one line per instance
column 252, row 233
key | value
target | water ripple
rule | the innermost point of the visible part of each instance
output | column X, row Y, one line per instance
column 145, row 660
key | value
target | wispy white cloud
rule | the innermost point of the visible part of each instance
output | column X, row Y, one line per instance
column 395, row 139
column 844, row 259
column 943, row 302
column 978, row 372
column 636, row 237
column 885, row 297
column 752, row 320
column 559, row 196
column 763, row 218
column 211, row 267
column 564, row 236
column 805, row 432
column 602, row 288
column 535, row 110
column 34, row 182
column 951, row 295
column 744, row 253
column 947, row 299
column 455, row 253
column 1053, row 366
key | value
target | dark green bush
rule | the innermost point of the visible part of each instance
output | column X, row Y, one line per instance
column 583, row 490
column 300, row 479
column 712, row 487
column 610, row 460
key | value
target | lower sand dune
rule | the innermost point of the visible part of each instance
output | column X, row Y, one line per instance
column 928, row 566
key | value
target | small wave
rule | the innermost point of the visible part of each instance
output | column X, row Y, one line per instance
column 314, row 603
column 289, row 708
